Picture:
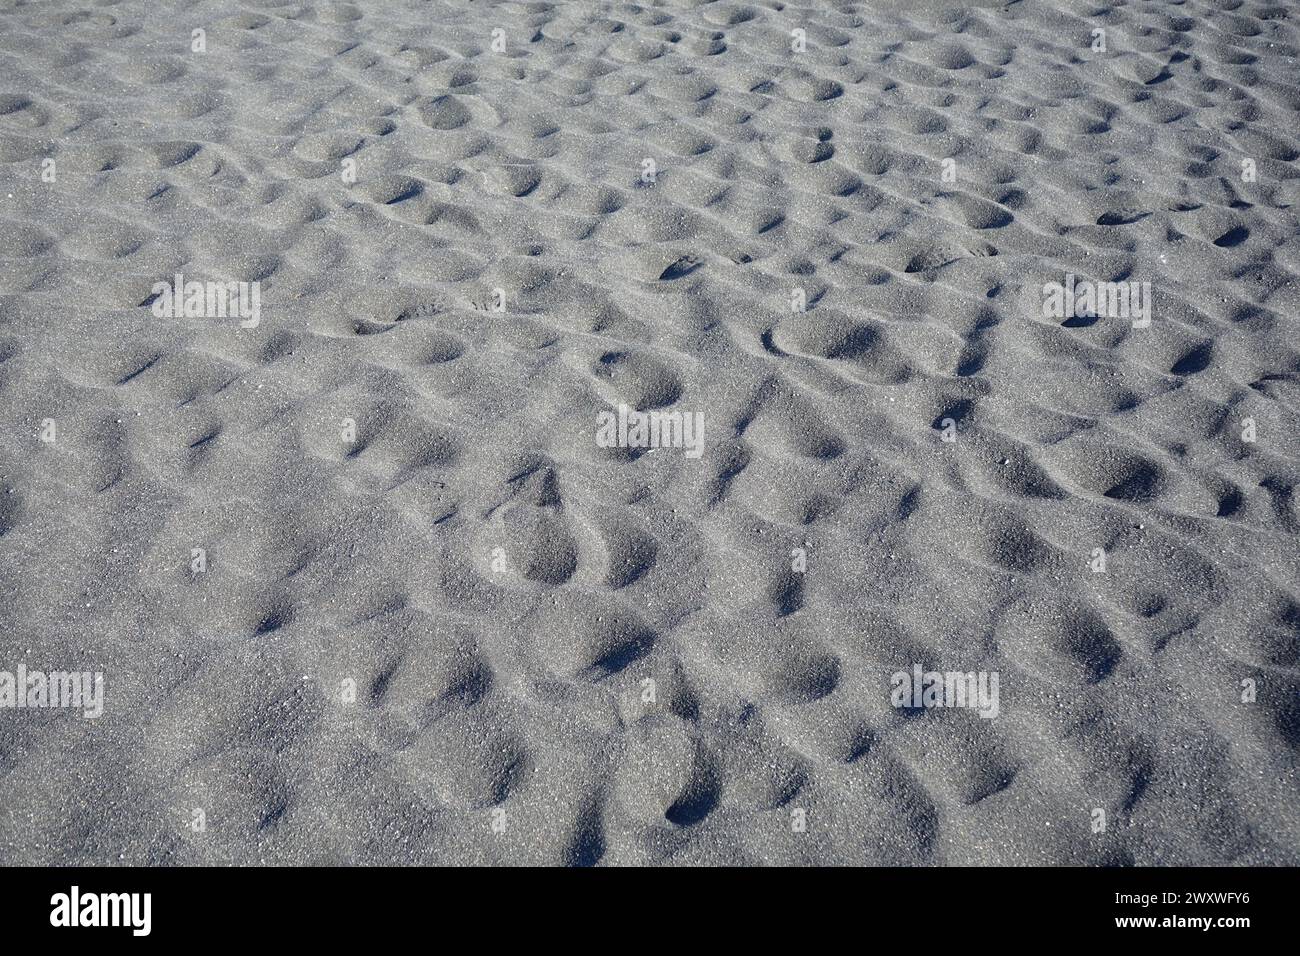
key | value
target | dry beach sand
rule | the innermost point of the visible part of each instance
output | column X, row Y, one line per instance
column 564, row 652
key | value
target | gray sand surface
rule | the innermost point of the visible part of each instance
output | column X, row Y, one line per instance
column 363, row 580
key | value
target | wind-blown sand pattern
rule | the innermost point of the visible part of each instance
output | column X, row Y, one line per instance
column 565, row 653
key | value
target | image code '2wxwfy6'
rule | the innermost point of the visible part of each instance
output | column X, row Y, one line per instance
column 624, row 433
